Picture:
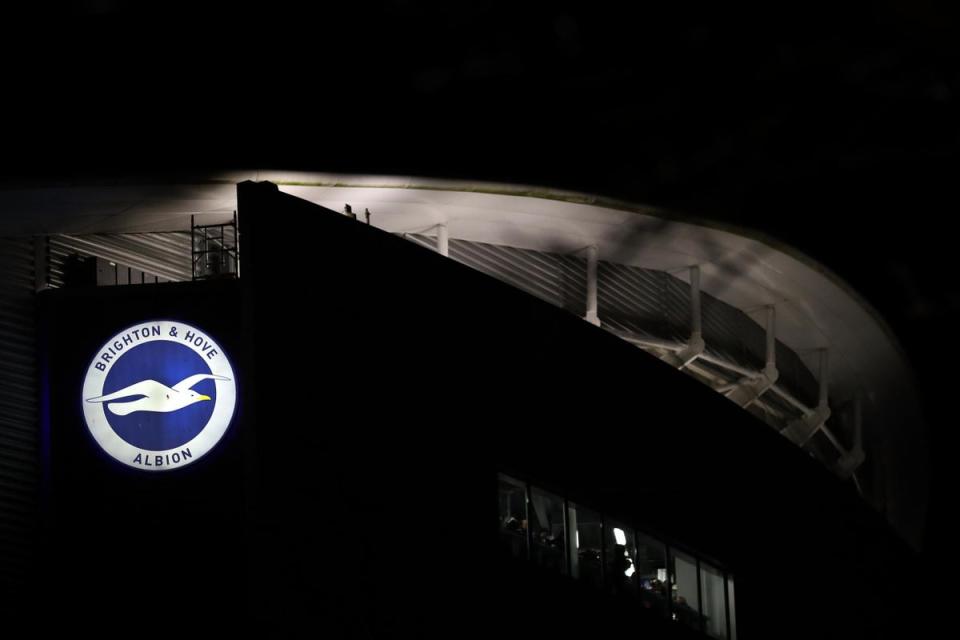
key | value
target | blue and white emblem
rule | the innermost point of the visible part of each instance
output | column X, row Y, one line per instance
column 159, row 395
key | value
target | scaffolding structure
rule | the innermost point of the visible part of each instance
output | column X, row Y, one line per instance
column 215, row 249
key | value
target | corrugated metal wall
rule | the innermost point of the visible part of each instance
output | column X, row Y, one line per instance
column 166, row 255
column 641, row 301
column 557, row 279
column 19, row 462
column 644, row 302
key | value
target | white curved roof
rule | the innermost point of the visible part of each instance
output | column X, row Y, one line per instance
column 814, row 309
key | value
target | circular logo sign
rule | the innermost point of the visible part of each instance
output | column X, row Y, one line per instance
column 159, row 395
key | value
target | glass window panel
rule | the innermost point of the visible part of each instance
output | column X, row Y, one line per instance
column 732, row 609
column 513, row 516
column 546, row 525
column 621, row 557
column 713, row 603
column 651, row 561
column 701, row 598
column 686, row 604
column 585, row 552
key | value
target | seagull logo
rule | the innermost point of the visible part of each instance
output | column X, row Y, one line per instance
column 159, row 395
column 156, row 396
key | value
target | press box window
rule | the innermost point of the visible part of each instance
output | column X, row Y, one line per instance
column 513, row 516
column 713, row 601
column 651, row 563
column 621, row 568
column 685, row 604
column 731, row 608
column 548, row 530
column 586, row 552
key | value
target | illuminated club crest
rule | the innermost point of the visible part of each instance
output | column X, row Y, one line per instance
column 159, row 395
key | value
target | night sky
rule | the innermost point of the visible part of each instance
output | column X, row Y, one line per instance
column 832, row 128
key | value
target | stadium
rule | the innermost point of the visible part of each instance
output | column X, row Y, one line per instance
column 450, row 398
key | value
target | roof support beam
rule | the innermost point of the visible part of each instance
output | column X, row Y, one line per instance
column 653, row 344
column 729, row 366
column 801, row 430
column 592, row 262
column 696, row 345
column 443, row 240
column 748, row 390
column 644, row 342
column 851, row 460
column 789, row 398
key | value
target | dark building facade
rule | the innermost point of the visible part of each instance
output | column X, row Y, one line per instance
column 419, row 449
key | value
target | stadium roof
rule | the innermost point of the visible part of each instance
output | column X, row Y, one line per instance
column 814, row 312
